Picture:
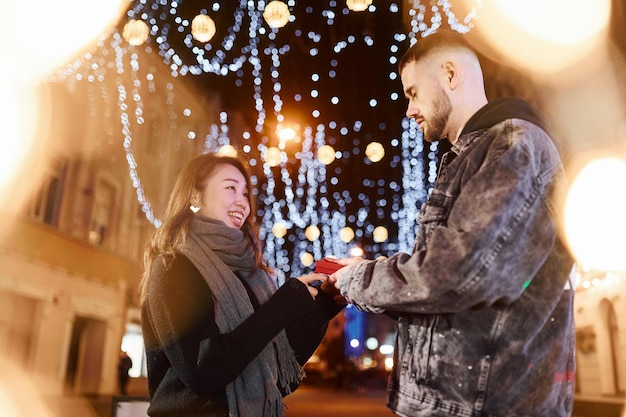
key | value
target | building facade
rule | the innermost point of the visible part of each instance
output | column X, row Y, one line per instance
column 71, row 254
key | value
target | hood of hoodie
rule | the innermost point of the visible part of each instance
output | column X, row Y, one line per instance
column 502, row 109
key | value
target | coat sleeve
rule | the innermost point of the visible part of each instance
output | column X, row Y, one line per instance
column 498, row 233
column 307, row 331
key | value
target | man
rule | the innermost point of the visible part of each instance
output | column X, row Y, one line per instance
column 484, row 305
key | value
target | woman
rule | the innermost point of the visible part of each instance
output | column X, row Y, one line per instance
column 221, row 339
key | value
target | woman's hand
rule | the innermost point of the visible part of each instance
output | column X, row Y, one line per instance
column 311, row 278
column 330, row 289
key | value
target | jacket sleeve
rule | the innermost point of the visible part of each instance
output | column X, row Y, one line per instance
column 180, row 306
column 498, row 233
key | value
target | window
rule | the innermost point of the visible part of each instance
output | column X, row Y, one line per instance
column 101, row 216
column 47, row 203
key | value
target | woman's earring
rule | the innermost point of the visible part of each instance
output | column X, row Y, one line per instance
column 193, row 208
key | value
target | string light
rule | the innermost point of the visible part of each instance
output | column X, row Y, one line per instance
column 301, row 183
column 358, row 5
column 276, row 14
column 135, row 32
column 375, row 151
column 202, row 28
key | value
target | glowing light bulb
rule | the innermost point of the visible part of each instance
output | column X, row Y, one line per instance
column 357, row 252
column 276, row 14
column 358, row 5
column 326, row 154
column 346, row 234
column 228, row 150
column 375, row 151
column 286, row 133
column 307, row 259
column 279, row 230
column 380, row 234
column 273, row 156
column 312, row 233
column 202, row 28
column 135, row 32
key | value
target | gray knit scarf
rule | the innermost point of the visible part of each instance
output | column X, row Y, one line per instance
column 218, row 252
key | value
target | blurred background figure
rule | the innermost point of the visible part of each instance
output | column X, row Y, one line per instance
column 123, row 366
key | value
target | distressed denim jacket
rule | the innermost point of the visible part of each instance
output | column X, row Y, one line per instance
column 484, row 305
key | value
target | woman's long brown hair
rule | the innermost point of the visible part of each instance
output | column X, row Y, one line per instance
column 170, row 237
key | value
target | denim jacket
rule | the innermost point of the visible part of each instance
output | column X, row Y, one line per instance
column 484, row 304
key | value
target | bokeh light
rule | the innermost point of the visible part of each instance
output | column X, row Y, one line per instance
column 202, row 28
column 312, row 233
column 346, row 235
column 135, row 32
column 375, row 151
column 286, row 133
column 40, row 35
column 273, row 156
column 326, row 154
column 279, row 230
column 371, row 343
column 358, row 5
column 307, row 259
column 543, row 36
column 276, row 14
column 380, row 234
column 228, row 150
column 356, row 252
column 594, row 218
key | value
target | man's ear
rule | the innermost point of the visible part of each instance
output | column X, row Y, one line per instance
column 450, row 74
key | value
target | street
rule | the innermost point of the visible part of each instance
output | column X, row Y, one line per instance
column 308, row 401
column 315, row 401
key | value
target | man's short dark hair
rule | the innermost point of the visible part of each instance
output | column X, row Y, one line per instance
column 439, row 40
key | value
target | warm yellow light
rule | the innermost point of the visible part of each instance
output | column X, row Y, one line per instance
column 543, row 36
column 595, row 224
column 11, row 139
column 18, row 119
column 380, row 234
column 39, row 35
column 358, row 5
column 326, row 154
column 346, row 234
column 273, row 156
column 135, row 32
column 276, row 14
column 312, row 233
column 202, row 28
column 227, row 150
column 279, row 230
column 286, row 133
column 375, row 151
column 306, row 259
column 357, row 252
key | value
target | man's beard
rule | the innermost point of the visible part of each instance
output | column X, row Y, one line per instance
column 438, row 121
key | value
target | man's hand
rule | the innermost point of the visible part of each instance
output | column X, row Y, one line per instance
column 335, row 277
